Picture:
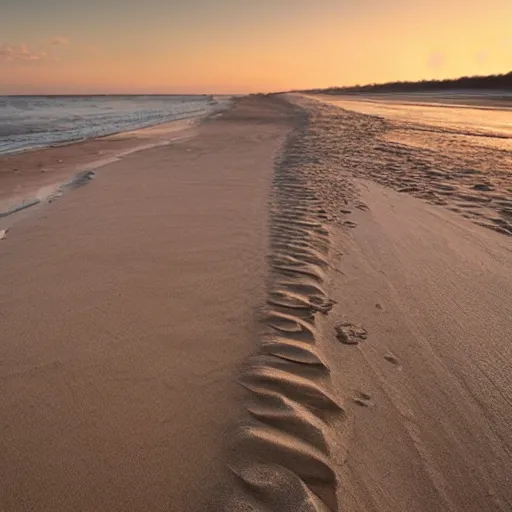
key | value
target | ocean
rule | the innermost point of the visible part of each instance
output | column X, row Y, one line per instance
column 28, row 122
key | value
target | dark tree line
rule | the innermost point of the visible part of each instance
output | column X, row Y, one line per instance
column 503, row 82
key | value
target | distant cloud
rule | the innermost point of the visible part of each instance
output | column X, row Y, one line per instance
column 20, row 53
column 59, row 41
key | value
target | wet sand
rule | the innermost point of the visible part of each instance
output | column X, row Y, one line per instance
column 488, row 100
column 33, row 176
column 449, row 161
column 257, row 317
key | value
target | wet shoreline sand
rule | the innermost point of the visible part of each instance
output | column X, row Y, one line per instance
column 33, row 176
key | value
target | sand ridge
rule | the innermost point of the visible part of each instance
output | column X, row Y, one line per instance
column 282, row 454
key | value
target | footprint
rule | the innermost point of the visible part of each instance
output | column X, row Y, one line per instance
column 350, row 224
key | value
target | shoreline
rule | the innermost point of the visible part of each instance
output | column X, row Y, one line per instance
column 36, row 176
column 71, row 142
column 61, row 163
column 442, row 100
column 222, row 103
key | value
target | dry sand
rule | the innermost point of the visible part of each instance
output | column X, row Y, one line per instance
column 369, row 330
column 429, row 390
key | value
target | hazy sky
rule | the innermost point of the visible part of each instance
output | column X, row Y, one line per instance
column 84, row 46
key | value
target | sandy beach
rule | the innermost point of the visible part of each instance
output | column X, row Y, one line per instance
column 287, row 307
column 127, row 306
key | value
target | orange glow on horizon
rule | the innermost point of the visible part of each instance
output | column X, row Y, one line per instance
column 407, row 42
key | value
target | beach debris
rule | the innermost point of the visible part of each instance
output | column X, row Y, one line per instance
column 3, row 234
column 350, row 334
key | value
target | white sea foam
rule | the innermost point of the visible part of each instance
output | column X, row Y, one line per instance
column 28, row 122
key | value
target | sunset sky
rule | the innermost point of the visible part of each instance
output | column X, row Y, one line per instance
column 169, row 46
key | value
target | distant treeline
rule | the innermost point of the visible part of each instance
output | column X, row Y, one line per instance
column 503, row 82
